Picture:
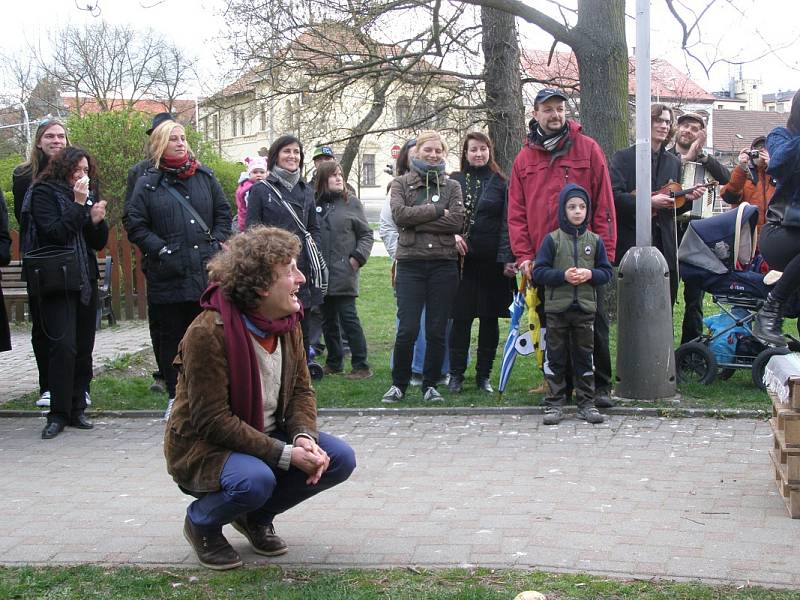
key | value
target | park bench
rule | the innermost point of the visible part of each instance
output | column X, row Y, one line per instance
column 15, row 292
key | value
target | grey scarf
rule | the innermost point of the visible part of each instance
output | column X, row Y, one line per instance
column 288, row 179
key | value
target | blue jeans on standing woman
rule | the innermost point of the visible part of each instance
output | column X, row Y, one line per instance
column 429, row 285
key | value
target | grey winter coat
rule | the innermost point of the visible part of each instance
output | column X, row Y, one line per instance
column 344, row 234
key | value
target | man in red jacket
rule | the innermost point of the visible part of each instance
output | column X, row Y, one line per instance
column 557, row 153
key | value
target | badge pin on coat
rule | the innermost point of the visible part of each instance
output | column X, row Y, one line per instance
column 587, row 250
column 435, row 198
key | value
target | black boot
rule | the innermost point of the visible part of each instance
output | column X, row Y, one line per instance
column 456, row 383
column 768, row 324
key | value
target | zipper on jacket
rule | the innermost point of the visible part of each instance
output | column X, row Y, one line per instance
column 575, row 263
column 566, row 174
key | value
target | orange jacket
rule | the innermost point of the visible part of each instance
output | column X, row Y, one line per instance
column 742, row 189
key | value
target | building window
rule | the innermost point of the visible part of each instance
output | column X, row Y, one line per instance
column 741, row 108
column 215, row 126
column 241, row 123
column 368, row 170
column 771, row 108
column 720, row 106
column 204, row 124
column 233, row 123
column 402, row 111
column 263, row 117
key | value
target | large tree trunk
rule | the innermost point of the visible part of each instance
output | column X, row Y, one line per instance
column 602, row 56
column 362, row 129
column 504, row 110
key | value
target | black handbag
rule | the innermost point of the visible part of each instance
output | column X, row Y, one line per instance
column 51, row 269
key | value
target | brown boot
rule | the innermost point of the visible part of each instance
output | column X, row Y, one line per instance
column 213, row 550
column 261, row 537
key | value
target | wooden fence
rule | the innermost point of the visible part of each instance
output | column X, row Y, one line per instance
column 128, row 287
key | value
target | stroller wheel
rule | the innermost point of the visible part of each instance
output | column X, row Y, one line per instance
column 695, row 363
column 315, row 371
column 760, row 363
column 725, row 373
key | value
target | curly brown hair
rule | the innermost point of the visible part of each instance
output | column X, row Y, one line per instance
column 63, row 165
column 248, row 264
column 655, row 113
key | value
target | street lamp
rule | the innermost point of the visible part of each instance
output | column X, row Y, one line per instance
column 27, row 128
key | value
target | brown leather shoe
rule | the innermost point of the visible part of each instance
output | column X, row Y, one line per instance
column 326, row 370
column 213, row 550
column 261, row 537
column 359, row 374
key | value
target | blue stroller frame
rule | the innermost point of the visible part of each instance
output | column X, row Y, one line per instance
column 719, row 254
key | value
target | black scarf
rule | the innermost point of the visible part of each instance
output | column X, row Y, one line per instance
column 551, row 142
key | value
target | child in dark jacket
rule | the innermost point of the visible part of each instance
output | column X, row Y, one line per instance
column 570, row 264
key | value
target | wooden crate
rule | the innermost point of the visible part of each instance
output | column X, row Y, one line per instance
column 789, row 493
column 787, row 421
column 794, row 393
column 787, row 458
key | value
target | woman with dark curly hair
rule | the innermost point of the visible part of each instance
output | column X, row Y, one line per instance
column 242, row 437
column 65, row 210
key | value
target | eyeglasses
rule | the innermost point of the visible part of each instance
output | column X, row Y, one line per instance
column 659, row 121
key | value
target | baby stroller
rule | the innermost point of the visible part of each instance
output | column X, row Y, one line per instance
column 719, row 254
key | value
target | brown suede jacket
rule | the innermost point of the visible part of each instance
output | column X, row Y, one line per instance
column 202, row 431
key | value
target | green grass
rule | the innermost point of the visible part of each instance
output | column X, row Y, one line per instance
column 126, row 388
column 273, row 582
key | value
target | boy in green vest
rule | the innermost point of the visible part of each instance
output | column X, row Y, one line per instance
column 570, row 264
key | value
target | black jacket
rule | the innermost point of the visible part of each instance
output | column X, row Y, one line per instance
column 265, row 207
column 5, row 258
column 665, row 167
column 487, row 231
column 134, row 173
column 345, row 234
column 154, row 219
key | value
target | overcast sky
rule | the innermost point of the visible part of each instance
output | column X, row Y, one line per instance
column 194, row 24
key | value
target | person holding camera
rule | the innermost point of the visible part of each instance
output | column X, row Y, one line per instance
column 749, row 180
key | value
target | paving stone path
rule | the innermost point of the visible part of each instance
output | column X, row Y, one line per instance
column 642, row 497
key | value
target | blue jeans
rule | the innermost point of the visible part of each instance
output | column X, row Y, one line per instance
column 429, row 285
column 251, row 487
column 418, row 361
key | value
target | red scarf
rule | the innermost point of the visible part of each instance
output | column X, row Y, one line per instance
column 181, row 167
column 245, row 379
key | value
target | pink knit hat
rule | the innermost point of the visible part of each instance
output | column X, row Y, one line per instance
column 256, row 162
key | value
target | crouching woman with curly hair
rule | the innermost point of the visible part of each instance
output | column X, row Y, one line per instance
column 242, row 437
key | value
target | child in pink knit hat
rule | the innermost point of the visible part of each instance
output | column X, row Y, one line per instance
column 256, row 171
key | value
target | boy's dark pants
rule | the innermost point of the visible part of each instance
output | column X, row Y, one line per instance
column 569, row 338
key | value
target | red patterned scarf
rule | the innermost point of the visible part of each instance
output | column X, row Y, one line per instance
column 181, row 167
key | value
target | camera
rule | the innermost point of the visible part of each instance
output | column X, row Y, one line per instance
column 753, row 154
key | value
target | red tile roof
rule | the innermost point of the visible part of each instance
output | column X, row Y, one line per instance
column 667, row 82
column 183, row 109
column 748, row 123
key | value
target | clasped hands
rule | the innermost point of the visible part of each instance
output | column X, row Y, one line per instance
column 310, row 459
column 577, row 276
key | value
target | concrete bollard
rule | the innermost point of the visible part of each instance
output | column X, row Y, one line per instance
column 645, row 356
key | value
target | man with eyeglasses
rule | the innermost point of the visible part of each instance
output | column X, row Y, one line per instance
column 666, row 167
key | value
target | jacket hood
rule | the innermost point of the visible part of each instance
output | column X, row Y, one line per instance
column 571, row 190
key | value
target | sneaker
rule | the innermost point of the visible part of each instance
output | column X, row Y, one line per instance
column 261, row 537
column 44, row 399
column 359, row 374
column 445, row 379
column 326, row 370
column 590, row 414
column 553, row 415
column 432, row 395
column 88, row 399
column 416, row 379
column 393, row 394
column 168, row 412
column 603, row 400
column 213, row 550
